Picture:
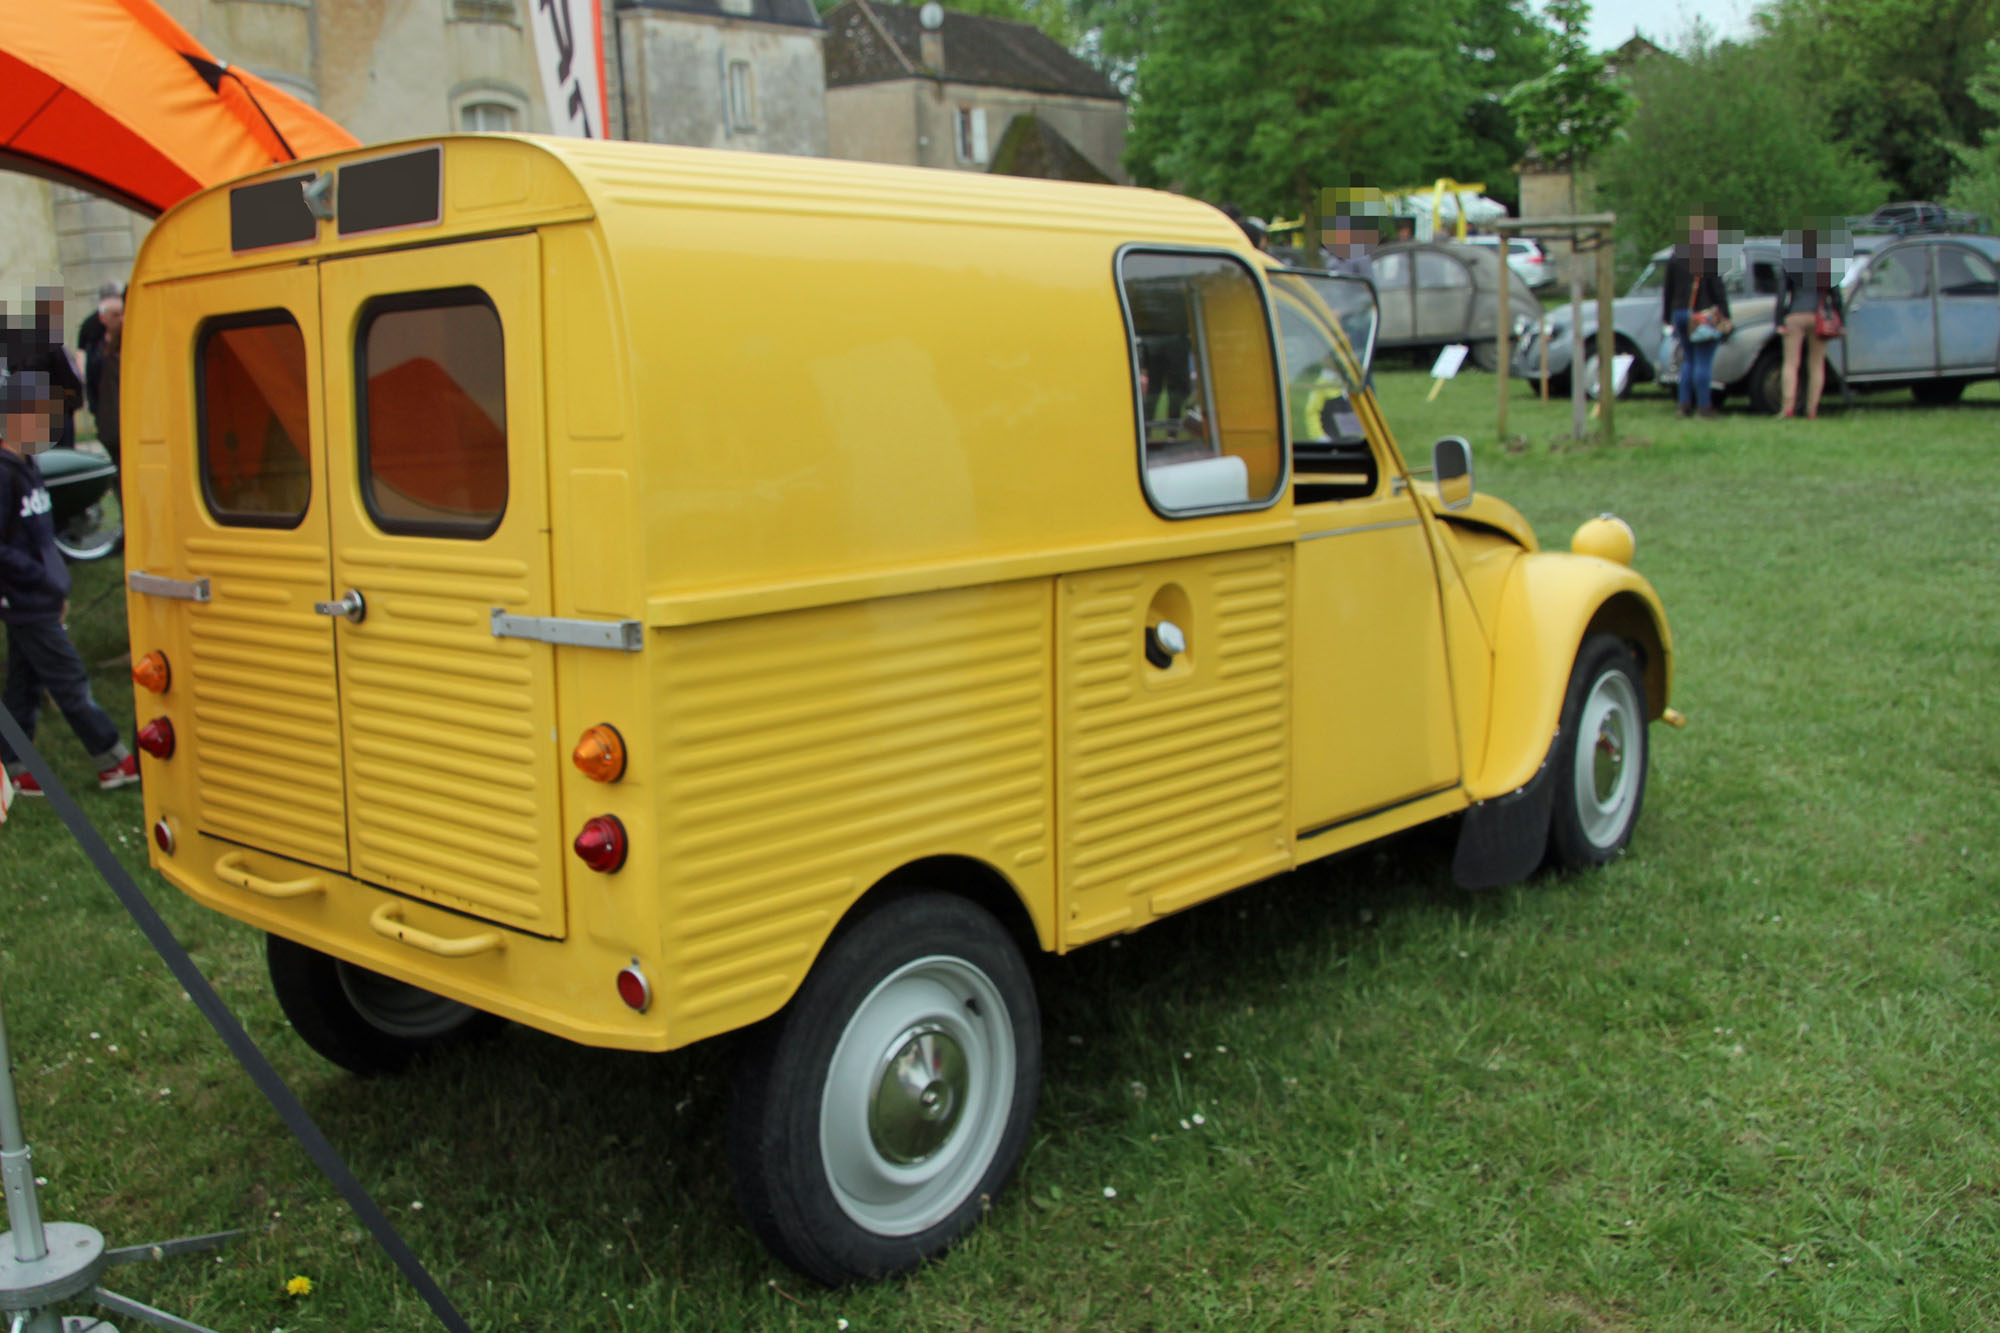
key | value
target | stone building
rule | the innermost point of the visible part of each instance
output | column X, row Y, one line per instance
column 940, row 89
column 741, row 74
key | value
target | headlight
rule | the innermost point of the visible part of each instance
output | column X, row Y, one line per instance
column 1521, row 325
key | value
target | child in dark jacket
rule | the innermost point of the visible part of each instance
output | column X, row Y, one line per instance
column 34, row 594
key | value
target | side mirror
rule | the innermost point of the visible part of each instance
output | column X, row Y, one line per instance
column 1451, row 468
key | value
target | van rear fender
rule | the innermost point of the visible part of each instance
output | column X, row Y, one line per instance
column 1552, row 602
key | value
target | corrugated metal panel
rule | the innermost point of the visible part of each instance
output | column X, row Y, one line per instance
column 452, row 795
column 1173, row 783
column 266, row 735
column 802, row 756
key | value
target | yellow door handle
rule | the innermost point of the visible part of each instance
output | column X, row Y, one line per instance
column 231, row 870
column 388, row 921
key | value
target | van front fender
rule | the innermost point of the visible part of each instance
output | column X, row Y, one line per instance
column 1551, row 602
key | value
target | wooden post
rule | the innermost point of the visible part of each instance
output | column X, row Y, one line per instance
column 1578, row 411
column 1500, row 335
column 1607, row 340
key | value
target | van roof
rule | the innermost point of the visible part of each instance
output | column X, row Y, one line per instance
column 494, row 182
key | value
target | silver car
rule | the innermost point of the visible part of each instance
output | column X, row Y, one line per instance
column 1923, row 313
column 1434, row 293
column 1751, row 274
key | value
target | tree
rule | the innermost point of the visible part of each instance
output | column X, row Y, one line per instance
column 1976, row 185
column 1729, row 130
column 1892, row 78
column 1265, row 102
column 1571, row 112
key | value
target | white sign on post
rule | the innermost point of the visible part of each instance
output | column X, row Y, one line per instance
column 569, row 43
column 1446, row 366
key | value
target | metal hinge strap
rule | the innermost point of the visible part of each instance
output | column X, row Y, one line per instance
column 159, row 585
column 625, row 636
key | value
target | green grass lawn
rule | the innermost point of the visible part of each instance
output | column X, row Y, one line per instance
column 1745, row 1078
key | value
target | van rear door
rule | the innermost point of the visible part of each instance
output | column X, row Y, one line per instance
column 438, row 517
column 234, row 597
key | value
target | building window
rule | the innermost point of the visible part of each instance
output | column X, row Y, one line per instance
column 486, row 118
column 742, row 96
column 971, row 134
column 485, row 11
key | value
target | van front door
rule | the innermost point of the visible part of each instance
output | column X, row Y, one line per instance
column 438, row 516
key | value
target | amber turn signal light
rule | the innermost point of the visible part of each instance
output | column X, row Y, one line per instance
column 151, row 673
column 601, row 753
column 601, row 844
column 156, row 738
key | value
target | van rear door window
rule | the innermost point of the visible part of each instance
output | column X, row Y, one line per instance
column 1210, row 434
column 254, row 432
column 433, row 413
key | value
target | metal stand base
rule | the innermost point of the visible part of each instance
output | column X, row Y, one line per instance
column 43, row 1264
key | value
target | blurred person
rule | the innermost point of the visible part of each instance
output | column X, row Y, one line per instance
column 1809, row 315
column 34, row 345
column 90, row 338
column 34, row 595
column 1695, row 306
column 1348, row 244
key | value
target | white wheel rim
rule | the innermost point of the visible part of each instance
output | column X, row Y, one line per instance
column 917, row 1096
column 1608, row 765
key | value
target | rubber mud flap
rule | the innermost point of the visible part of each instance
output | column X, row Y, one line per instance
column 1502, row 841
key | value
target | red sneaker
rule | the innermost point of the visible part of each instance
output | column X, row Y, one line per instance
column 125, row 774
column 25, row 785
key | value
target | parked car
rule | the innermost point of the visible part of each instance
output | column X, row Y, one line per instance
column 1915, row 216
column 1751, row 273
column 1923, row 313
column 1524, row 256
column 1435, row 293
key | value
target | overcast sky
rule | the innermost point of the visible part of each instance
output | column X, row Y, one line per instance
column 1665, row 22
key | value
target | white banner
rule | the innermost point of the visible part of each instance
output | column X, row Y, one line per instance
column 569, row 41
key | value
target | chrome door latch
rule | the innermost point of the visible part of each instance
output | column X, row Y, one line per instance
column 351, row 606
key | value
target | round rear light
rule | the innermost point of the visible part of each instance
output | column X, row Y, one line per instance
column 152, row 673
column 601, row 844
column 634, row 989
column 163, row 836
column 156, row 738
column 601, row 753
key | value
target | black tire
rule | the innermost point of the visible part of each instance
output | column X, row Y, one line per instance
column 1938, row 393
column 363, row 1021
column 831, row 1178
column 1600, row 756
column 1767, row 383
column 1485, row 356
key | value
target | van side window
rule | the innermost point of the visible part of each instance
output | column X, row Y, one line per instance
column 431, row 379
column 1210, row 436
column 253, row 429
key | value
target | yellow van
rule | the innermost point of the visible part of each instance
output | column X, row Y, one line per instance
column 645, row 593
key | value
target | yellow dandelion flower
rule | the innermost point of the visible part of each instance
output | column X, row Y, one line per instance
column 299, row 1286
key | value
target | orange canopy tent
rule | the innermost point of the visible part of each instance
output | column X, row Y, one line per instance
column 114, row 96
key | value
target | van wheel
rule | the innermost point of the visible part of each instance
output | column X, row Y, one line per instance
column 363, row 1021
column 1600, row 773
column 881, row 1112
column 1485, row 355
column 1938, row 393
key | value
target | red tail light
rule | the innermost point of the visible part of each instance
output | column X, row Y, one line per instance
column 156, row 738
column 634, row 989
column 163, row 836
column 601, row 844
